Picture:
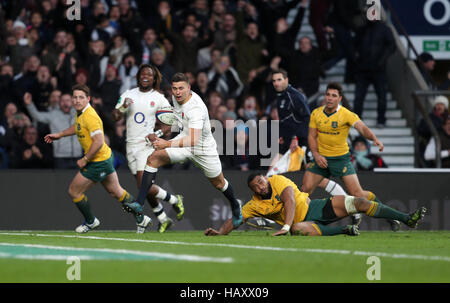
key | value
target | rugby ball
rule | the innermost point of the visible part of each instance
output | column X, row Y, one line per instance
column 166, row 116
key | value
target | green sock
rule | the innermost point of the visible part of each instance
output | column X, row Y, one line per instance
column 379, row 210
column 330, row 230
column 129, row 198
column 85, row 208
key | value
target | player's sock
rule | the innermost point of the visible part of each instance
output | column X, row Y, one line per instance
column 334, row 189
column 324, row 230
column 148, row 178
column 227, row 191
column 159, row 213
column 166, row 196
column 379, row 210
column 127, row 197
column 83, row 205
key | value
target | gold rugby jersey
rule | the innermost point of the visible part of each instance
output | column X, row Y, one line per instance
column 333, row 130
column 87, row 124
column 273, row 208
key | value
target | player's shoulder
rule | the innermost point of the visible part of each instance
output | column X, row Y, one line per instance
column 317, row 111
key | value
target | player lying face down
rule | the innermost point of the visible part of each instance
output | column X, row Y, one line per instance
column 277, row 198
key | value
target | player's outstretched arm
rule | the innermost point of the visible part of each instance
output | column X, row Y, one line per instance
column 368, row 134
column 56, row 136
column 288, row 199
column 225, row 229
column 313, row 146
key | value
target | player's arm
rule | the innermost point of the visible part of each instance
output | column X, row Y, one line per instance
column 225, row 229
column 368, row 134
column 56, row 136
column 97, row 143
column 121, row 108
column 288, row 199
column 186, row 141
column 313, row 135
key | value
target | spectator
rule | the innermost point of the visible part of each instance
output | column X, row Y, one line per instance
column 53, row 100
column 167, row 71
column 148, row 44
column 42, row 88
column 304, row 67
column 119, row 49
column 6, row 81
column 224, row 78
column 31, row 153
column 131, row 25
column 201, row 86
column 186, row 45
column 67, row 150
column 374, row 44
column 14, row 132
column 215, row 99
column 318, row 13
column 251, row 47
column 285, row 35
column 444, row 136
column 437, row 116
column 127, row 72
column 224, row 35
column 110, row 88
column 249, row 110
column 362, row 159
column 96, row 64
column 24, row 81
column 426, row 68
column 54, row 53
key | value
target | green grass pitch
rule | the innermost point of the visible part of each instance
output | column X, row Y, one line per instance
column 243, row 256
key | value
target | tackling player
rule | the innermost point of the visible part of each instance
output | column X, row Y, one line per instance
column 97, row 163
column 195, row 142
column 277, row 198
column 139, row 105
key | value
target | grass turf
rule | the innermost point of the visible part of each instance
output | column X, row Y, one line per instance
column 412, row 256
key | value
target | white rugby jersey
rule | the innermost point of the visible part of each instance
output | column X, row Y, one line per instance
column 140, row 116
column 194, row 114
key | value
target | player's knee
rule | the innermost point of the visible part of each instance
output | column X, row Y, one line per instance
column 361, row 204
column 303, row 229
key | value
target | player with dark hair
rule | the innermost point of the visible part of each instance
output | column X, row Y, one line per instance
column 277, row 198
column 97, row 163
column 195, row 143
column 139, row 106
column 327, row 138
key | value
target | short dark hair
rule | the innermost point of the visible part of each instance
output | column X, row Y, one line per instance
column 83, row 88
column 336, row 86
column 180, row 77
column 280, row 71
column 252, row 176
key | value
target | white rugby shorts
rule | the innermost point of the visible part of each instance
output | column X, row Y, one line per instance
column 137, row 155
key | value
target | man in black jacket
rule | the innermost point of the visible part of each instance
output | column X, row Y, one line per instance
column 293, row 111
column 374, row 44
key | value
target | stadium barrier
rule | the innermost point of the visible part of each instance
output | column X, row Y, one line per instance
column 38, row 199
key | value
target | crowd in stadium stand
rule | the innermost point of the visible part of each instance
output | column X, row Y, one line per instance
column 228, row 48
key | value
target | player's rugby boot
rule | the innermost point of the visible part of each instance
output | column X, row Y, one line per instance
column 237, row 215
column 414, row 218
column 179, row 208
column 85, row 227
column 351, row 230
column 146, row 222
column 356, row 219
column 132, row 207
column 395, row 224
column 162, row 227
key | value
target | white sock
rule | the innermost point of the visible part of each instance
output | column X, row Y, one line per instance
column 334, row 189
column 150, row 169
column 162, row 195
column 225, row 186
column 162, row 217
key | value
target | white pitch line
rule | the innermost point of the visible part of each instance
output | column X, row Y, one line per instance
column 183, row 257
column 269, row 248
